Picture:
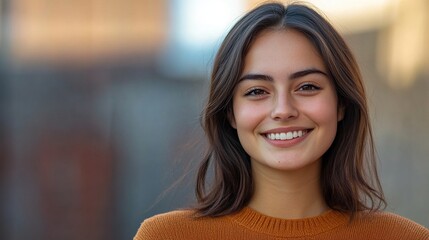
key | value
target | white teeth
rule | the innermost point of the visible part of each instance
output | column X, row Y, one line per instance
column 287, row 135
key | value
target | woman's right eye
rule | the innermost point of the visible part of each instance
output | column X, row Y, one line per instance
column 255, row 92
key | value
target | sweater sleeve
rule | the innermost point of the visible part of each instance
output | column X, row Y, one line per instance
column 409, row 228
column 163, row 226
column 398, row 227
column 150, row 230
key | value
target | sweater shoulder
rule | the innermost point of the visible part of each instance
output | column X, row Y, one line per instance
column 393, row 224
column 392, row 218
column 171, row 217
column 164, row 225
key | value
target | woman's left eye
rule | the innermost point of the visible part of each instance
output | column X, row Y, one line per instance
column 308, row 87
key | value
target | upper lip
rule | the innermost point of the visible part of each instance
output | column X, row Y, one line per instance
column 285, row 129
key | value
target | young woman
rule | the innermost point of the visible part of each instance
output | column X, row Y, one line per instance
column 290, row 140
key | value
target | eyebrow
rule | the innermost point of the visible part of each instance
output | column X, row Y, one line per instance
column 293, row 76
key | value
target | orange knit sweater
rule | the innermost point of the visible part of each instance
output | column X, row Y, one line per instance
column 249, row 224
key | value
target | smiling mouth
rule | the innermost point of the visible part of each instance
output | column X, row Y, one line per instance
column 286, row 135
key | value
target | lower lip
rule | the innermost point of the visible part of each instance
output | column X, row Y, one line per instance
column 286, row 143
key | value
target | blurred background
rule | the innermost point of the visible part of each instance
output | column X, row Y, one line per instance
column 100, row 103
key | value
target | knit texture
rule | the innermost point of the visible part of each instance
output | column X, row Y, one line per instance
column 249, row 224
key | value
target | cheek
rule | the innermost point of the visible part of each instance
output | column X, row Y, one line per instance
column 248, row 116
column 323, row 111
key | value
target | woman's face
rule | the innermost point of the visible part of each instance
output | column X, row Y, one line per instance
column 284, row 106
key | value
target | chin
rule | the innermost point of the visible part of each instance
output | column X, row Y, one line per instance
column 292, row 165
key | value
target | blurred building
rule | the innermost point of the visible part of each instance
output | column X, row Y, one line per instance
column 100, row 104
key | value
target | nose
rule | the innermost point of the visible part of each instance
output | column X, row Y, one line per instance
column 284, row 108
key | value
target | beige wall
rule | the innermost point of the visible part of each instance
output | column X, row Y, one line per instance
column 87, row 29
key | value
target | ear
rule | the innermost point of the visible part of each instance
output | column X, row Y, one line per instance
column 231, row 119
column 341, row 112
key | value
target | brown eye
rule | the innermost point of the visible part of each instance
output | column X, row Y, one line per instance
column 255, row 92
column 308, row 87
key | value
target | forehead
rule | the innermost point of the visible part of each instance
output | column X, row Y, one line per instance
column 287, row 49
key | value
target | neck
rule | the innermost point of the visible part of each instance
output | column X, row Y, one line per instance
column 288, row 194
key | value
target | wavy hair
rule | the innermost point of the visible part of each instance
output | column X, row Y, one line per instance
column 349, row 178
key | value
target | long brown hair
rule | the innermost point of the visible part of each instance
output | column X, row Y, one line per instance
column 348, row 176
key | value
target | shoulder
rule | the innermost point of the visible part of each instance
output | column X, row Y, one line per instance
column 391, row 224
column 182, row 224
column 162, row 225
column 392, row 219
column 170, row 217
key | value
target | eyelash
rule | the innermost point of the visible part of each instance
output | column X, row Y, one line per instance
column 253, row 92
column 307, row 86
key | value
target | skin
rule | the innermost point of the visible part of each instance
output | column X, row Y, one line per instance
column 284, row 87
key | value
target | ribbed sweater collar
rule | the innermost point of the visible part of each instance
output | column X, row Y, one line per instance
column 258, row 222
